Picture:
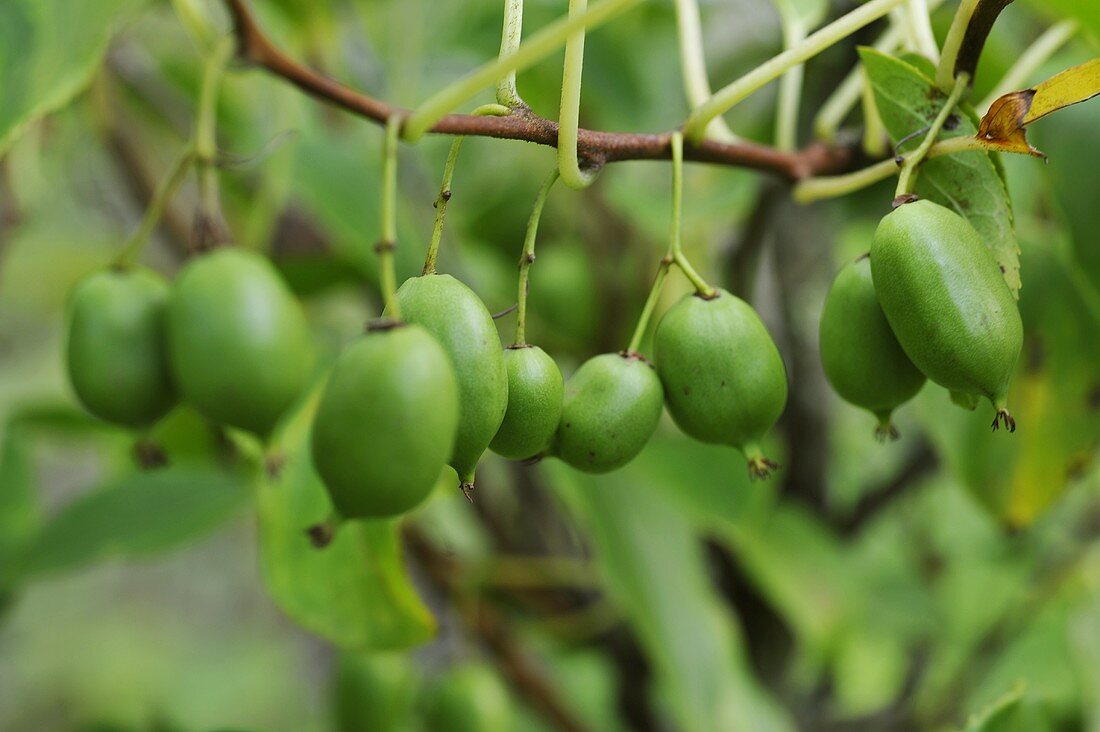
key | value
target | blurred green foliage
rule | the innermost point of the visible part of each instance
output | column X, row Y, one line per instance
column 948, row 581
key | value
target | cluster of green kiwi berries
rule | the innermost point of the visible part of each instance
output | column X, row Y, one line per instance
column 436, row 387
column 415, row 392
column 928, row 301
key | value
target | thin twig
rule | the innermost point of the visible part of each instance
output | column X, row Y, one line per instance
column 485, row 621
column 594, row 148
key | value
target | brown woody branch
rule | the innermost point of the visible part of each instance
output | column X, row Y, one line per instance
column 595, row 148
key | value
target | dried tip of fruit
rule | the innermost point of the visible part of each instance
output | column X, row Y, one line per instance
column 1004, row 417
column 760, row 468
column 885, row 431
column 273, row 464
column 467, row 490
column 149, row 455
column 321, row 534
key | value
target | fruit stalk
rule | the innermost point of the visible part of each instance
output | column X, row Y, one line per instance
column 444, row 196
column 163, row 195
column 675, row 254
column 510, row 36
column 907, row 178
column 570, row 108
column 528, row 256
column 210, row 227
column 388, row 241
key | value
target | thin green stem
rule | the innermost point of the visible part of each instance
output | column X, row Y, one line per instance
column 907, row 178
column 790, row 92
column 650, row 306
column 388, row 240
column 538, row 46
column 510, row 36
column 1031, row 59
column 847, row 94
column 945, row 70
column 816, row 189
column 875, row 139
column 693, row 66
column 528, row 256
column 732, row 93
column 569, row 111
column 206, row 146
column 444, row 197
column 194, row 22
column 163, row 195
column 919, row 24
column 675, row 253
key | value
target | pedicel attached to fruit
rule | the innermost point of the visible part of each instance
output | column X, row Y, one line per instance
column 459, row 320
column 116, row 350
column 947, row 302
column 611, row 408
column 239, row 345
column 386, row 422
column 862, row 358
column 723, row 377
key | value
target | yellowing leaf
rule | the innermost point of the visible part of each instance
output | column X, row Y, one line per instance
column 1005, row 123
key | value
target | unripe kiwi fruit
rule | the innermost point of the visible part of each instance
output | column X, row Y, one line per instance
column 862, row 358
column 535, row 389
column 723, row 376
column 116, row 355
column 469, row 698
column 610, row 410
column 947, row 301
column 386, row 422
column 459, row 320
column 238, row 342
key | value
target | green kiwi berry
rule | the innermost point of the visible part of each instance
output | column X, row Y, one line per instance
column 535, row 389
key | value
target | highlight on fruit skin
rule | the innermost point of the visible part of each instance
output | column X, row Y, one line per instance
column 115, row 346
column 457, row 318
column 535, row 392
column 610, row 410
column 947, row 302
column 723, row 377
column 386, row 422
column 860, row 355
column 238, row 341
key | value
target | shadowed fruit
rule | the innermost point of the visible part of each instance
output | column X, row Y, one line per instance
column 239, row 344
column 451, row 312
column 723, row 376
column 386, row 422
column 862, row 358
column 611, row 408
column 535, row 389
column 469, row 698
column 947, row 302
column 116, row 353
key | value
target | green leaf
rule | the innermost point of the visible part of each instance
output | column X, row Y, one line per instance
column 356, row 592
column 656, row 573
column 49, row 50
column 139, row 515
column 18, row 507
column 967, row 182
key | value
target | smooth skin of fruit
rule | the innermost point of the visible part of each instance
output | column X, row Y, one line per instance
column 451, row 312
column 724, row 379
column 239, row 345
column 862, row 358
column 535, row 390
column 469, row 698
column 947, row 302
column 116, row 352
column 611, row 408
column 386, row 422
